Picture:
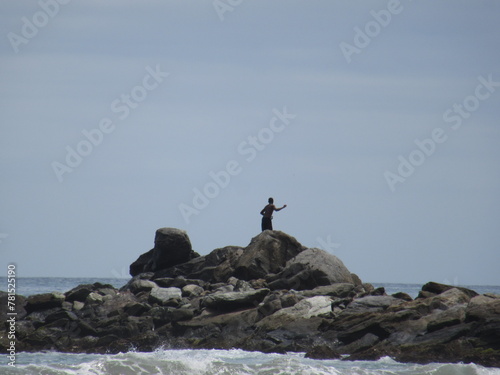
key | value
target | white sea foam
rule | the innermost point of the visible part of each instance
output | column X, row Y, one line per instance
column 220, row 362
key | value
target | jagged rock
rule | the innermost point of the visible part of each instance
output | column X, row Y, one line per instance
column 62, row 314
column 177, row 282
column 136, row 309
column 446, row 318
column 305, row 309
column 44, row 301
column 192, row 290
column 309, row 269
column 215, row 267
column 483, row 308
column 138, row 285
column 322, row 352
column 139, row 265
column 339, row 290
column 372, row 303
column 451, row 297
column 234, row 300
column 267, row 253
column 79, row 293
column 94, row 298
column 436, row 288
column 172, row 247
column 403, row 296
column 365, row 342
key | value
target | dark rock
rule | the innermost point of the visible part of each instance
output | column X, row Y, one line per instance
column 223, row 331
column 305, row 309
column 270, row 305
column 79, row 293
column 62, row 314
column 309, row 269
column 322, row 352
column 172, row 247
column 160, row 315
column 403, row 296
column 450, row 317
column 44, row 301
column 139, row 265
column 423, row 294
column 192, row 290
column 372, row 303
column 378, row 292
column 215, row 267
column 356, row 280
column 181, row 314
column 444, row 335
column 136, row 309
column 267, row 253
column 436, row 288
column 86, row 329
column 365, row 342
column 234, row 300
column 483, row 309
column 137, row 285
column 339, row 290
column 273, row 296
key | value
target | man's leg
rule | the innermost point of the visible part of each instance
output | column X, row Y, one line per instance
column 266, row 224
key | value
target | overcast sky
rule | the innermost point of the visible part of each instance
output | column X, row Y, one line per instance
column 376, row 122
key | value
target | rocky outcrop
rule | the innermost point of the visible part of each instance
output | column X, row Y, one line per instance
column 172, row 247
column 267, row 253
column 309, row 269
column 275, row 295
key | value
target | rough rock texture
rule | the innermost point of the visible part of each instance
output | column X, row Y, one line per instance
column 215, row 267
column 272, row 296
column 172, row 247
column 267, row 253
column 309, row 269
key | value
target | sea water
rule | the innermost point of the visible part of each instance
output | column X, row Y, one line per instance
column 166, row 361
column 221, row 362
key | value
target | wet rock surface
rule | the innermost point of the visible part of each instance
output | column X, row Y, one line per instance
column 275, row 295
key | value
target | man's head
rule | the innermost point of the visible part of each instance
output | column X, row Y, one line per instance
column 270, row 200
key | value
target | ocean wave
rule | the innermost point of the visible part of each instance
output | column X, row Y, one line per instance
column 221, row 362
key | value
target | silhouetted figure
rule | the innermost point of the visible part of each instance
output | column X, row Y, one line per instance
column 267, row 212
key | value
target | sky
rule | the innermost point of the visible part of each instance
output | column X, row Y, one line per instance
column 376, row 122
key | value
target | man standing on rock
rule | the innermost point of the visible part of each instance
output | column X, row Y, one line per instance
column 267, row 212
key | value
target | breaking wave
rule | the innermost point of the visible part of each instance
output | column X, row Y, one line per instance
column 219, row 362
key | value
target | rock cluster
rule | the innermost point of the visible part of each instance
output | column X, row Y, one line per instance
column 275, row 295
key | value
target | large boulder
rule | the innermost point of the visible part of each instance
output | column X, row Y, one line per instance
column 310, row 269
column 172, row 247
column 267, row 253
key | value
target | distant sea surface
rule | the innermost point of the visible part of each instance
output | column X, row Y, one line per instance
column 167, row 361
column 27, row 286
